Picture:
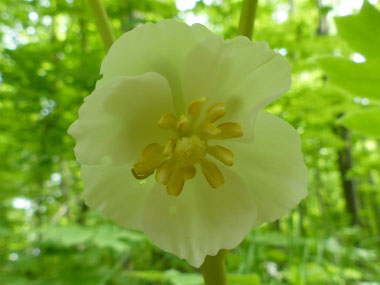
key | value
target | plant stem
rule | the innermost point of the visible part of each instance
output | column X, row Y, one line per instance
column 103, row 23
column 214, row 269
column 247, row 18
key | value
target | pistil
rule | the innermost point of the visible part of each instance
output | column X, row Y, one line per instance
column 175, row 162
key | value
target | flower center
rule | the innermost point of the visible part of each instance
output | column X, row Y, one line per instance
column 189, row 151
column 175, row 162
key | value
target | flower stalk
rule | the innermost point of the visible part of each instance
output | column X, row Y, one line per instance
column 103, row 23
column 247, row 18
column 214, row 269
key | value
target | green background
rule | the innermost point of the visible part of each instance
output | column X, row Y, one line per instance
column 50, row 54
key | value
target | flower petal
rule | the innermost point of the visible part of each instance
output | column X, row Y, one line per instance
column 201, row 220
column 246, row 76
column 160, row 47
column 116, row 193
column 120, row 118
column 272, row 166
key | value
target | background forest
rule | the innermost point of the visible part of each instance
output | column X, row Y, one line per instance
column 50, row 54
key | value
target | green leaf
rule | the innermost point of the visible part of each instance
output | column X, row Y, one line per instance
column 240, row 279
column 108, row 236
column 67, row 235
column 359, row 79
column 362, row 31
column 366, row 122
column 149, row 275
column 175, row 277
column 178, row 278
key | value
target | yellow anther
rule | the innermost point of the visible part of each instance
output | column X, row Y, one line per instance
column 175, row 162
column 184, row 125
column 146, row 168
column 196, row 106
column 140, row 176
column 229, row 131
column 215, row 112
column 210, row 129
column 212, row 173
column 175, row 184
column 164, row 171
column 151, row 151
column 188, row 172
column 168, row 122
column 169, row 147
column 222, row 154
column 151, row 157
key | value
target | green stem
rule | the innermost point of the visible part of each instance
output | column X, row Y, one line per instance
column 102, row 22
column 214, row 269
column 247, row 18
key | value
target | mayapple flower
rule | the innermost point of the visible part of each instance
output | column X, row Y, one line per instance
column 173, row 140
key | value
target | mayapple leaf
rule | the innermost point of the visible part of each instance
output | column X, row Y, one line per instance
column 361, row 31
column 359, row 79
column 366, row 122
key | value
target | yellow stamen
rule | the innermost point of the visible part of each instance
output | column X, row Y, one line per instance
column 168, row 122
column 212, row 173
column 151, row 158
column 151, row 151
column 140, row 176
column 184, row 125
column 164, row 171
column 215, row 112
column 196, row 106
column 175, row 184
column 188, row 172
column 210, row 129
column 146, row 168
column 174, row 163
column 229, row 131
column 169, row 147
column 222, row 154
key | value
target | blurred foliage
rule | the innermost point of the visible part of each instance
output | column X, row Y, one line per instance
column 49, row 61
column 358, row 78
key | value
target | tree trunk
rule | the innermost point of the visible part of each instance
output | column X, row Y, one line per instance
column 345, row 166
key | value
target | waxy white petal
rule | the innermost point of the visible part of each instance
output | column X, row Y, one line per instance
column 161, row 47
column 201, row 220
column 115, row 121
column 245, row 76
column 116, row 193
column 272, row 166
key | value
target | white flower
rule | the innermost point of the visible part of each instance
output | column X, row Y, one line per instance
column 173, row 142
